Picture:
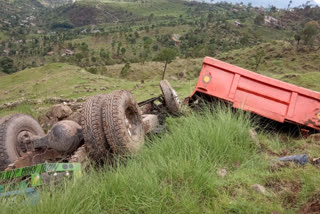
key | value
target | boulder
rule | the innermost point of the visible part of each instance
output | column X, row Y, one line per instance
column 59, row 112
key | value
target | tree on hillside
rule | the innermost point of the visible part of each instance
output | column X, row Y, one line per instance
column 259, row 20
column 123, row 51
column 7, row 66
column 167, row 55
column 258, row 58
column 210, row 17
column 297, row 37
column 310, row 31
column 125, row 69
column 273, row 9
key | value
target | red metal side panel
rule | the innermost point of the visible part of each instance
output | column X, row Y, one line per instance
column 265, row 96
column 307, row 110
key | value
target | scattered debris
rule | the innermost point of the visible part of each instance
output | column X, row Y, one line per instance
column 68, row 52
column 176, row 39
column 259, row 188
column 300, row 159
column 238, row 24
column 271, row 21
column 316, row 162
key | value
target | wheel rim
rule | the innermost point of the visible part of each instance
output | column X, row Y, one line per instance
column 132, row 122
column 175, row 97
column 23, row 144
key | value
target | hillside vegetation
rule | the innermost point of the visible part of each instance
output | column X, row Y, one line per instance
column 91, row 34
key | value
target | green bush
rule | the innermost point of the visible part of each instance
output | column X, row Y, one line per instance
column 125, row 69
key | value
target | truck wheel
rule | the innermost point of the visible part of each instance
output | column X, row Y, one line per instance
column 122, row 123
column 92, row 129
column 170, row 97
column 13, row 130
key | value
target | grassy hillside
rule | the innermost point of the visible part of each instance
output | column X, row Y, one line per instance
column 177, row 173
column 67, row 81
column 282, row 60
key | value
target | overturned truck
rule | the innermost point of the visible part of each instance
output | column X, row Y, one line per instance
column 270, row 98
column 111, row 124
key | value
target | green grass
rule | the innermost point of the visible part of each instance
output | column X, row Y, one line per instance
column 158, row 8
column 23, row 108
column 70, row 82
column 3, row 37
column 177, row 173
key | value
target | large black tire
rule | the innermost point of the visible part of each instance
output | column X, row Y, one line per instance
column 92, row 128
column 170, row 97
column 122, row 123
column 10, row 128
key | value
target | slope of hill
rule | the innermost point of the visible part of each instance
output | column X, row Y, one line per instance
column 269, row 3
column 55, row 3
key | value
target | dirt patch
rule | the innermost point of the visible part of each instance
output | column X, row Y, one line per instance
column 312, row 206
column 278, row 185
column 277, row 166
column 287, row 189
column 264, row 148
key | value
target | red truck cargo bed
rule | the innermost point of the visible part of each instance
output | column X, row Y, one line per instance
column 259, row 94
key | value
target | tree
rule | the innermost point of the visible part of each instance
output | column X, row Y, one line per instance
column 210, row 17
column 167, row 55
column 297, row 37
column 258, row 57
column 125, row 69
column 310, row 31
column 259, row 20
column 7, row 66
column 244, row 40
column 289, row 5
column 273, row 9
column 104, row 53
column 147, row 42
column 123, row 51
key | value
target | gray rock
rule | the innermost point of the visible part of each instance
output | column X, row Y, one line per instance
column 59, row 111
column 259, row 188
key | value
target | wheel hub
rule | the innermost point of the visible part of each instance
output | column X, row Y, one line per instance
column 131, row 121
column 24, row 144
